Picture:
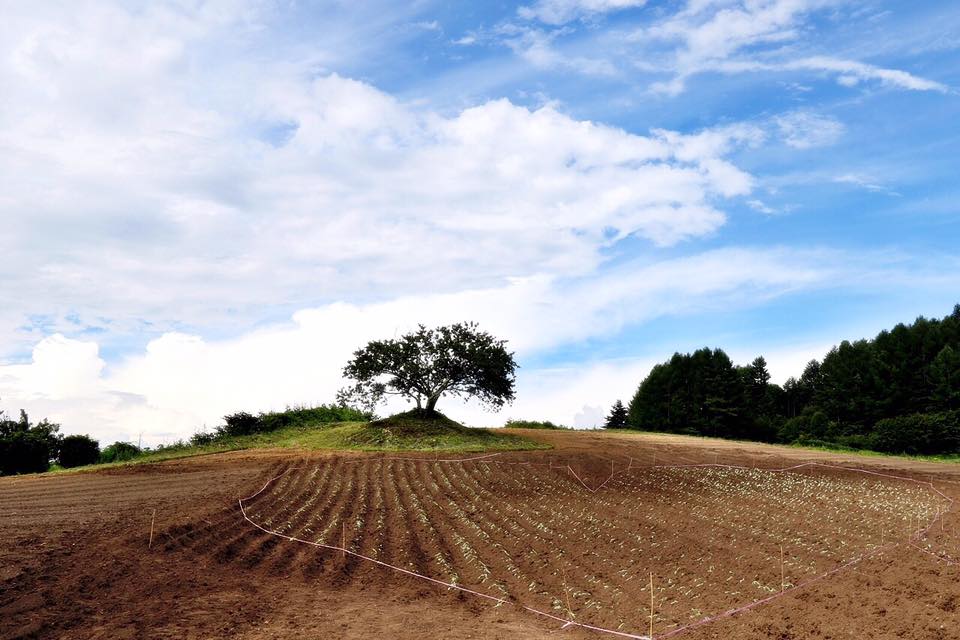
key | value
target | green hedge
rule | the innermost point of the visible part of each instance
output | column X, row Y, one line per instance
column 918, row 433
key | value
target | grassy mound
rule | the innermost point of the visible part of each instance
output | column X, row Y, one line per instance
column 419, row 430
column 410, row 431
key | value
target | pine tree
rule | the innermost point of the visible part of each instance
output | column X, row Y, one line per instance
column 617, row 418
column 945, row 379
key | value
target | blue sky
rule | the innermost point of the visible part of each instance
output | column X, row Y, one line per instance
column 206, row 207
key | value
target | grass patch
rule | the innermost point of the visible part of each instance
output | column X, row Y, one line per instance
column 952, row 458
column 831, row 448
column 403, row 432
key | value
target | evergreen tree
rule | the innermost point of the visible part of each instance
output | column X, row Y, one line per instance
column 945, row 380
column 859, row 394
column 617, row 418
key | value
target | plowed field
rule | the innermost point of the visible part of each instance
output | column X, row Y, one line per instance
column 739, row 541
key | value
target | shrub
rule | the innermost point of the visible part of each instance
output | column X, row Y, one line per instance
column 201, row 438
column 531, row 424
column 919, row 433
column 245, row 424
column 807, row 426
column 239, row 424
column 77, row 451
column 120, row 451
column 24, row 452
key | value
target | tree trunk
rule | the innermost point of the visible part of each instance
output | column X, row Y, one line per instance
column 432, row 402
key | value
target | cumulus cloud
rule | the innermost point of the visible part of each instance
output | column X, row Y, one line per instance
column 182, row 381
column 148, row 182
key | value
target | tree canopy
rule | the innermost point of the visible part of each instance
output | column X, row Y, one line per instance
column 426, row 364
column 862, row 394
column 78, row 450
column 27, row 447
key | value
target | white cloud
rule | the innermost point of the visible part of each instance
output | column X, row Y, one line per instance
column 734, row 36
column 864, row 181
column 183, row 381
column 852, row 72
column 589, row 417
column 806, row 130
column 535, row 46
column 213, row 187
column 761, row 206
column 558, row 12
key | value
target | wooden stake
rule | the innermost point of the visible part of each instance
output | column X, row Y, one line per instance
column 566, row 592
column 343, row 542
column 651, row 606
column 153, row 519
column 781, row 569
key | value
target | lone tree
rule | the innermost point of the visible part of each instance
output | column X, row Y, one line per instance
column 421, row 366
column 617, row 418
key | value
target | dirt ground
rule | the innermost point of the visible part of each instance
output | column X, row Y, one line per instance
column 575, row 532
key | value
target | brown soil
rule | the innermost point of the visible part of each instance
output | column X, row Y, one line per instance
column 575, row 532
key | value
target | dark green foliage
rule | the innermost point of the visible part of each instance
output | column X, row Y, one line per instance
column 810, row 425
column 617, row 418
column 918, row 433
column 26, row 447
column 700, row 393
column 861, row 395
column 24, row 452
column 421, row 366
column 240, row 424
column 945, row 379
column 531, row 424
column 77, row 451
column 120, row 452
column 245, row 424
column 201, row 438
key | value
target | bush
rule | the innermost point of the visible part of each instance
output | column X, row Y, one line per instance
column 807, row 426
column 119, row 452
column 239, row 424
column 245, row 424
column 77, row 451
column 531, row 424
column 919, row 433
column 201, row 438
column 24, row 452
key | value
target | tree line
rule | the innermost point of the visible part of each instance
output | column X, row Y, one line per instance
column 899, row 393
column 27, row 447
